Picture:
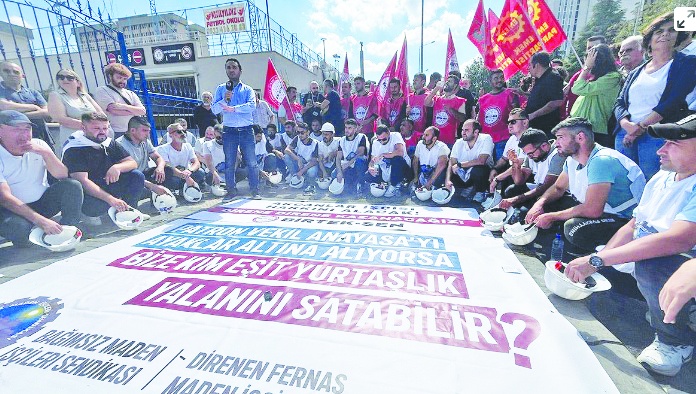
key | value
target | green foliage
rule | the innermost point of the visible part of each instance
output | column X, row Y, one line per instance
column 650, row 12
column 480, row 77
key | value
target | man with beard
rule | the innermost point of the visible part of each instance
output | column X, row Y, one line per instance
column 393, row 109
column 546, row 97
column 214, row 158
column 327, row 150
column 203, row 116
column 331, row 108
column 410, row 136
column 290, row 108
column 494, row 110
column 389, row 161
column 351, row 157
column 513, row 156
column 543, row 161
column 137, row 143
column 108, row 174
column 181, row 158
column 301, row 156
column 417, row 111
column 447, row 108
column 26, row 200
column 346, row 101
column 464, row 92
column 364, row 107
column 430, row 160
column 604, row 184
column 312, row 104
column 119, row 103
column 631, row 54
column 659, row 239
column 276, row 141
column 470, row 160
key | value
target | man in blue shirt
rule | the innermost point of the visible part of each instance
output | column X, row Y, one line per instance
column 331, row 108
column 605, row 185
column 237, row 102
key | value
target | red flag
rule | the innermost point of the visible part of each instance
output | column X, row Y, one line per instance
column 480, row 36
column 402, row 70
column 515, row 34
column 274, row 91
column 383, row 84
column 451, row 63
column 546, row 24
column 500, row 60
column 345, row 75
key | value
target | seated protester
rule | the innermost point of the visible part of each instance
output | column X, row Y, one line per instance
column 513, row 156
column 679, row 290
column 276, row 141
column 351, row 157
column 430, row 161
column 411, row 137
column 301, row 156
column 542, row 161
column 26, row 199
column 327, row 150
column 470, row 160
column 605, row 184
column 657, row 238
column 190, row 137
column 198, row 148
column 315, row 132
column 265, row 159
column 108, row 175
column 137, row 143
column 179, row 155
column 389, row 161
column 214, row 158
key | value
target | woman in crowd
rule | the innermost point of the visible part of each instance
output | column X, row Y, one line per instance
column 598, row 85
column 67, row 103
column 653, row 93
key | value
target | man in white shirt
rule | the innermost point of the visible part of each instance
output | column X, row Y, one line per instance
column 513, row 156
column 430, row 160
column 389, row 161
column 179, row 155
column 119, row 103
column 351, row 157
column 26, row 199
column 327, row 150
column 470, row 160
column 301, row 155
column 214, row 158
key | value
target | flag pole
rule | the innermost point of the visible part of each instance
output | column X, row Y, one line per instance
column 580, row 62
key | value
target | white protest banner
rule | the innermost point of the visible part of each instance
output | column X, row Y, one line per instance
column 228, row 19
column 217, row 306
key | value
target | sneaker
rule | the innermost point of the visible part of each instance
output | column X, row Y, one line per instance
column 145, row 216
column 255, row 195
column 391, row 191
column 480, row 197
column 231, row 195
column 310, row 190
column 665, row 359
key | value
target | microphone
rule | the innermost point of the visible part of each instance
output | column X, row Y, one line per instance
column 230, row 87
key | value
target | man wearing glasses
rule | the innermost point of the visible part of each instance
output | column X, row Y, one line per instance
column 631, row 54
column 542, row 161
column 14, row 96
column 137, row 143
column 390, row 162
column 513, row 156
column 181, row 158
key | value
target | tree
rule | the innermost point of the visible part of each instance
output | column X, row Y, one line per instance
column 480, row 76
column 650, row 12
column 606, row 20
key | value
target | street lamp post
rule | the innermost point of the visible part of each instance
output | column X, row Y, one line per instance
column 323, row 41
column 336, row 56
column 362, row 60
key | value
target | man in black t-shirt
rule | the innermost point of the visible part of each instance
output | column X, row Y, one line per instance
column 311, row 104
column 546, row 98
column 107, row 173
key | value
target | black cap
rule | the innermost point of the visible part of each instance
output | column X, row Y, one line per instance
column 681, row 130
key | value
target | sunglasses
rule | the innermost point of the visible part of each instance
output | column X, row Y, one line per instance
column 514, row 121
column 383, row 140
column 10, row 71
column 61, row 77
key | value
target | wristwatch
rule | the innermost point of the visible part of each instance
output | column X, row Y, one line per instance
column 596, row 261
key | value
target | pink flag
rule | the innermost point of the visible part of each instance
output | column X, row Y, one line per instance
column 516, row 36
column 274, row 90
column 451, row 63
column 345, row 75
column 402, row 70
column 547, row 26
column 500, row 60
column 383, row 84
column 480, row 36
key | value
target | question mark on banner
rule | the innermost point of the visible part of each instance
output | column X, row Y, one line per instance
column 531, row 332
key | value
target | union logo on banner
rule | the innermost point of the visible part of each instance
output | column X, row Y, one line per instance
column 277, row 88
column 360, row 112
column 25, row 317
column 516, row 36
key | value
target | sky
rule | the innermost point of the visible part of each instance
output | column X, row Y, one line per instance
column 379, row 24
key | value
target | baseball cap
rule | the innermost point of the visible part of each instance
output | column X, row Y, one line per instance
column 681, row 130
column 328, row 127
column 13, row 118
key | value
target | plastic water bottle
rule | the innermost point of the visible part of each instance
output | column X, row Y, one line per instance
column 557, row 248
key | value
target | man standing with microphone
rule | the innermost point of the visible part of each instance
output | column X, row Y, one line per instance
column 237, row 102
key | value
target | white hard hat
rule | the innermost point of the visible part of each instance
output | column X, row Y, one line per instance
column 324, row 183
column 492, row 201
column 378, row 189
column 296, row 182
column 442, row 195
column 328, row 127
column 493, row 219
column 165, row 203
column 336, row 187
column 129, row 219
column 423, row 194
column 520, row 234
column 275, row 177
column 218, row 190
column 560, row 285
column 192, row 193
column 61, row 242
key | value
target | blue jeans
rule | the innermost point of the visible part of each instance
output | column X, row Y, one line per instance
column 242, row 139
column 353, row 175
column 651, row 276
column 400, row 171
column 292, row 168
column 175, row 183
column 643, row 151
column 128, row 188
column 499, row 149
